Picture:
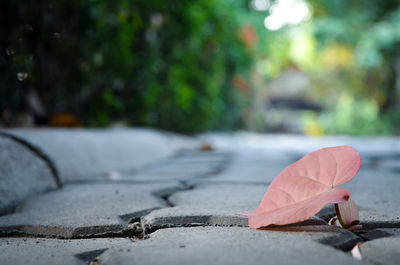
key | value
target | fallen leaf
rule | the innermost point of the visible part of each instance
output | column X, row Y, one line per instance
column 64, row 120
column 347, row 213
column 206, row 147
column 306, row 186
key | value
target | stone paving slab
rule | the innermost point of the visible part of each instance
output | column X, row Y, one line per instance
column 383, row 251
column 376, row 192
column 87, row 154
column 259, row 166
column 22, row 173
column 232, row 245
column 390, row 164
column 176, row 171
column 372, row 234
column 194, row 192
column 202, row 156
column 209, row 204
column 259, row 172
column 368, row 146
column 85, row 210
column 226, row 198
column 183, row 166
column 25, row 251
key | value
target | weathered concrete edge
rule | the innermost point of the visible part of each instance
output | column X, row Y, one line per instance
column 52, row 150
column 39, row 152
column 81, row 232
column 122, row 229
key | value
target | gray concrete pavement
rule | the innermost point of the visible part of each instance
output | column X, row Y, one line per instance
column 384, row 251
column 179, row 207
column 55, row 251
column 230, row 245
column 87, row 154
column 85, row 210
column 22, row 174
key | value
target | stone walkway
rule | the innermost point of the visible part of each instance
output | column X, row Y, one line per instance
column 178, row 205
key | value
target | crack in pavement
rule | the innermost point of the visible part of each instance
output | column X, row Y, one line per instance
column 342, row 241
column 123, row 227
column 39, row 152
column 139, row 225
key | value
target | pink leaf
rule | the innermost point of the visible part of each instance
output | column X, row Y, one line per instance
column 347, row 213
column 304, row 187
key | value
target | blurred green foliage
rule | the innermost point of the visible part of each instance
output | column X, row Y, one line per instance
column 350, row 51
column 366, row 72
column 191, row 66
column 158, row 63
column 352, row 117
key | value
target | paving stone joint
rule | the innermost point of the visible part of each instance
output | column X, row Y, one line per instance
column 182, row 207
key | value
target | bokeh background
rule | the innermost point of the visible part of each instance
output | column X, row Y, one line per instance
column 290, row 66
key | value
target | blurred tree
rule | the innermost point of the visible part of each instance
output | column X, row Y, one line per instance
column 370, row 31
column 350, row 51
column 358, row 42
column 153, row 63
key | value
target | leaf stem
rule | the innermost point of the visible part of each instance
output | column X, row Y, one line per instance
column 339, row 216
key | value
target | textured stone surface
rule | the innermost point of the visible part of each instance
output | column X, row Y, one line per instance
column 191, row 156
column 231, row 245
column 85, row 210
column 391, row 164
column 82, row 154
column 22, row 173
column 252, row 165
column 226, row 198
column 209, row 204
column 183, row 166
column 369, row 147
column 24, row 251
column 385, row 251
column 372, row 234
column 376, row 193
column 197, row 193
